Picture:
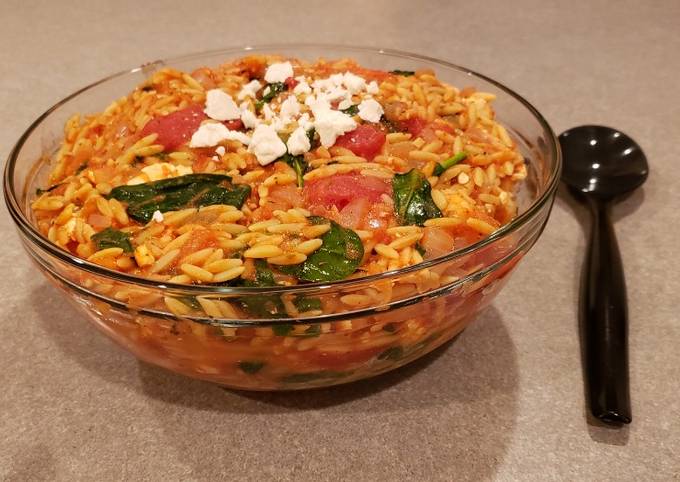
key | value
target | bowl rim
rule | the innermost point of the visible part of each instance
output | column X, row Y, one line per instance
column 36, row 237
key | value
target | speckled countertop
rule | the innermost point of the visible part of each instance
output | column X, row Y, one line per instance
column 503, row 402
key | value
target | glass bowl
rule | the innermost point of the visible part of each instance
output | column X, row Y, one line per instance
column 366, row 326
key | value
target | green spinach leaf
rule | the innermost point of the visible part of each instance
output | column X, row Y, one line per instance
column 298, row 164
column 450, row 162
column 338, row 257
column 262, row 306
column 413, row 202
column 39, row 192
column 351, row 110
column 112, row 238
column 272, row 90
column 192, row 190
column 404, row 73
column 250, row 367
column 302, row 303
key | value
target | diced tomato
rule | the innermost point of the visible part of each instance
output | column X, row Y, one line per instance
column 280, row 198
column 233, row 125
column 414, row 125
column 175, row 129
column 365, row 141
column 437, row 242
column 98, row 222
column 291, row 83
column 199, row 239
column 339, row 190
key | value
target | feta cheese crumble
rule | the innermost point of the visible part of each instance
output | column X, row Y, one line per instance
column 302, row 87
column 158, row 171
column 249, row 90
column 220, row 106
column 370, row 110
column 220, row 151
column 278, row 72
column 212, row 133
column 298, row 142
column 266, row 144
column 157, row 216
column 248, row 117
column 330, row 124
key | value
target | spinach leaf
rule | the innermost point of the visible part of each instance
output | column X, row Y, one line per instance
column 311, row 134
column 112, row 238
column 302, row 303
column 390, row 327
column 420, row 249
column 298, row 164
column 450, row 162
column 389, row 125
column 413, row 202
column 189, row 301
column 262, row 306
column 39, row 192
column 274, row 89
column 192, row 190
column 392, row 353
column 338, row 257
column 314, row 330
column 282, row 330
column 351, row 110
column 404, row 73
column 250, row 367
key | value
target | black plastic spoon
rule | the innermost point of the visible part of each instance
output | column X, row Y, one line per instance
column 600, row 165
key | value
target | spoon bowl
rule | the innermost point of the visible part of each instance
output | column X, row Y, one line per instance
column 603, row 162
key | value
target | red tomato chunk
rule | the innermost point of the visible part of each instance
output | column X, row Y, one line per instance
column 365, row 141
column 177, row 128
column 341, row 189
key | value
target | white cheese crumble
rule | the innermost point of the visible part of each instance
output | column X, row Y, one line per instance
column 304, row 121
column 248, row 117
column 345, row 104
column 372, row 87
column 266, row 144
column 298, row 142
column 220, row 151
column 330, row 124
column 289, row 109
column 370, row 110
column 278, row 72
column 353, row 83
column 157, row 216
column 302, row 87
column 158, row 171
column 249, row 90
column 212, row 133
column 220, row 106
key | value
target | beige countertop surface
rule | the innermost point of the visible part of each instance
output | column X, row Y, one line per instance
column 503, row 402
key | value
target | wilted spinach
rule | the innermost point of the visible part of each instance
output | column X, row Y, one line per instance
column 338, row 257
column 250, row 367
column 351, row 110
column 192, row 190
column 404, row 73
column 450, row 162
column 112, row 238
column 298, row 164
column 275, row 89
column 262, row 306
column 302, row 303
column 39, row 192
column 413, row 202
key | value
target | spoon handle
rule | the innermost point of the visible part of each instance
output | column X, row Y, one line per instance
column 604, row 322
